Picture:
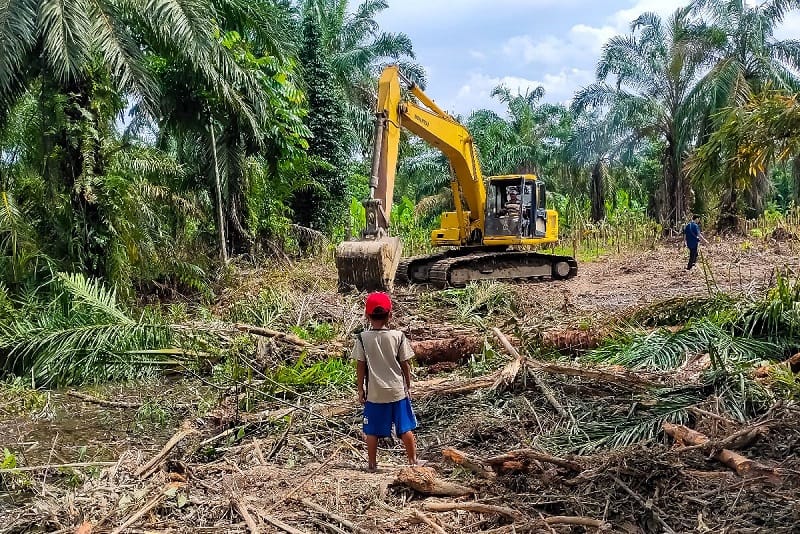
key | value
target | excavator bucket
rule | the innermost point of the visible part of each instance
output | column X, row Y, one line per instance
column 368, row 264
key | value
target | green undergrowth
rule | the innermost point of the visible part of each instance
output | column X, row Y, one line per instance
column 475, row 303
column 330, row 373
column 74, row 331
column 17, row 397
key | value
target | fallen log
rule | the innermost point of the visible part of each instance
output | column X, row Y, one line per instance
column 742, row 465
column 573, row 341
column 521, row 460
column 476, row 507
column 622, row 376
column 454, row 349
column 425, row 481
column 476, row 465
column 266, row 332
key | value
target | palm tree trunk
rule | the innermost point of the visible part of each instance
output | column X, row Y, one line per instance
column 223, row 249
column 597, row 192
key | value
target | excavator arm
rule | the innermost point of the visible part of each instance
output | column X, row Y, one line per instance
column 370, row 263
column 439, row 130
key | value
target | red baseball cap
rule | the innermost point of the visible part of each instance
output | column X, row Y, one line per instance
column 378, row 303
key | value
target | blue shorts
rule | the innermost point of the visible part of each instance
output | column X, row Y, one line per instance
column 379, row 417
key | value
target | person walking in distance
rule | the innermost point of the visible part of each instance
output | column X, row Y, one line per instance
column 693, row 238
column 383, row 380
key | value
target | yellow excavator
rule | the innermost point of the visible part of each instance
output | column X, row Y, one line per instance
column 487, row 228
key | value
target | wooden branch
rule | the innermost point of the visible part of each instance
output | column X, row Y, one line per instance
column 576, row 520
column 525, row 457
column 476, row 507
column 302, row 483
column 330, row 515
column 279, row 444
column 224, row 434
column 327, row 527
column 428, row 521
column 242, row 511
column 425, row 481
column 741, row 464
column 278, row 523
column 147, row 469
column 103, row 402
column 48, row 467
column 645, row 505
column 476, row 465
column 510, row 371
column 155, row 501
column 266, row 332
column 513, row 369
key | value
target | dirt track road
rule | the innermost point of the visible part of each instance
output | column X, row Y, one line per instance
column 617, row 283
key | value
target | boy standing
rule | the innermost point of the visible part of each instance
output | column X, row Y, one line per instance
column 383, row 380
column 693, row 237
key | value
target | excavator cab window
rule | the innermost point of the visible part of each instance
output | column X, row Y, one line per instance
column 508, row 208
column 540, row 215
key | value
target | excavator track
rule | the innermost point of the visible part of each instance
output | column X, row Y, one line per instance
column 413, row 270
column 515, row 265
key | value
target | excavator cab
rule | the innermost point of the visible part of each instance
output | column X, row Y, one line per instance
column 515, row 208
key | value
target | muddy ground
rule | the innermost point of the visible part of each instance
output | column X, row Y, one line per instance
column 298, row 451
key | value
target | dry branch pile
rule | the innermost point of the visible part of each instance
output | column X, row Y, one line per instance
column 308, row 476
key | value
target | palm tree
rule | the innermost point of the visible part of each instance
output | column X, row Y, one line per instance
column 763, row 131
column 358, row 50
column 744, row 57
column 85, row 59
column 526, row 140
column 653, row 94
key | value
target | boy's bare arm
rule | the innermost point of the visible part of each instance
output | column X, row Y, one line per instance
column 406, row 368
column 361, row 373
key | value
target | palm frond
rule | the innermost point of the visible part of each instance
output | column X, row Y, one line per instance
column 643, row 422
column 18, row 30
column 93, row 294
column 66, row 33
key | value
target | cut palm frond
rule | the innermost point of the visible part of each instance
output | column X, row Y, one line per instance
column 664, row 349
column 81, row 335
column 643, row 422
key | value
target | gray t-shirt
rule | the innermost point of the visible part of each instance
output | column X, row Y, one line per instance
column 385, row 349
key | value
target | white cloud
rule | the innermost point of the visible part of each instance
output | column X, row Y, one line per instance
column 558, row 86
column 581, row 41
column 444, row 11
column 622, row 19
column 478, row 55
column 790, row 28
column 549, row 49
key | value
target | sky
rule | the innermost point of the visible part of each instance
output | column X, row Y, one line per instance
column 468, row 47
